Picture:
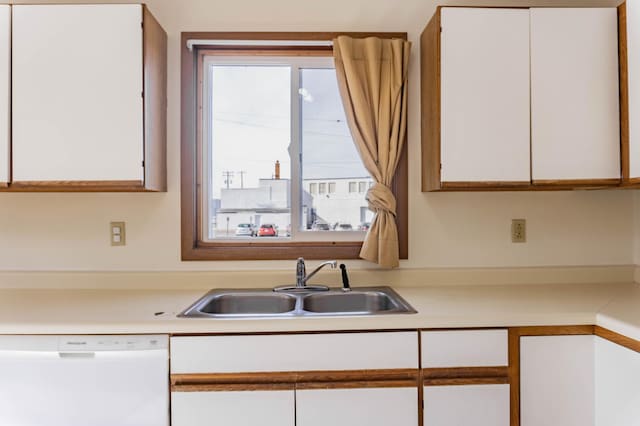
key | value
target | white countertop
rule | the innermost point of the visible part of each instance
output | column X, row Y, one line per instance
column 36, row 311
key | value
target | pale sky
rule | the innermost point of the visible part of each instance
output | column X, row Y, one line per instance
column 251, row 116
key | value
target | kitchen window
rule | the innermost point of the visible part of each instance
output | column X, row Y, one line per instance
column 266, row 122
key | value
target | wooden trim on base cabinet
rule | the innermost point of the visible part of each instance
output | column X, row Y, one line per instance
column 76, row 186
column 348, row 379
column 465, row 373
column 514, row 376
column 617, row 338
column 466, row 381
column 553, row 330
column 409, row 374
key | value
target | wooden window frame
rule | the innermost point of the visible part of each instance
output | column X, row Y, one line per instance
column 192, row 245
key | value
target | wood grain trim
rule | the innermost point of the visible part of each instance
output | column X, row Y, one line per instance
column 514, row 376
column 465, row 372
column 406, row 375
column 192, row 246
column 155, row 103
column 486, row 185
column 617, row 338
column 234, row 387
column 76, row 186
column 590, row 183
column 467, row 381
column 624, row 91
column 284, row 36
column 358, row 385
column 430, row 102
column 4, row 184
column 554, row 330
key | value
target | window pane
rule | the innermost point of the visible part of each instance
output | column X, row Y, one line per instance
column 362, row 186
column 313, row 188
column 332, row 187
column 329, row 154
column 250, row 131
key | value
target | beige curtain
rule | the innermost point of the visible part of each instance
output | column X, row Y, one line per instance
column 372, row 76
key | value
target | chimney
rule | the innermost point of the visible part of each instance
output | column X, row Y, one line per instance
column 277, row 170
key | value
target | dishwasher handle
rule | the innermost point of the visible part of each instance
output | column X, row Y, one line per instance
column 76, row 355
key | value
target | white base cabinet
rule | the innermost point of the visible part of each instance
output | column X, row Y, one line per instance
column 557, row 380
column 617, row 385
column 348, row 407
column 248, row 408
column 477, row 405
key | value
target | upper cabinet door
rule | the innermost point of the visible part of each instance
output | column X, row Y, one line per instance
column 575, row 132
column 77, row 93
column 485, row 127
column 5, row 81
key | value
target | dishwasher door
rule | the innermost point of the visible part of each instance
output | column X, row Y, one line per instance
column 84, row 380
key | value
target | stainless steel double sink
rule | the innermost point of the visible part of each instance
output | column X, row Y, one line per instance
column 256, row 303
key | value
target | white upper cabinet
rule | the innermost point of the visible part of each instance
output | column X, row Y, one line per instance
column 485, row 95
column 5, row 82
column 77, row 93
column 575, row 122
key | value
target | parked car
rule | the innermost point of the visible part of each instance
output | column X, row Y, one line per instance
column 364, row 226
column 245, row 230
column 343, row 227
column 268, row 230
column 320, row 226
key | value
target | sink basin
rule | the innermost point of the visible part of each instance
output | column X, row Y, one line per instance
column 354, row 301
column 249, row 303
column 297, row 303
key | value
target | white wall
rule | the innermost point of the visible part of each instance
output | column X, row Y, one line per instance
column 70, row 231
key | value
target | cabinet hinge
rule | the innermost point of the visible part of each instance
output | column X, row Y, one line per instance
column 142, row 95
column 142, row 163
column 141, row 24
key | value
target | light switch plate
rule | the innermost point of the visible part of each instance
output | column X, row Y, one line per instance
column 519, row 231
column 118, row 235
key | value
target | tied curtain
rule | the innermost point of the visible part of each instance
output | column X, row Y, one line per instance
column 372, row 78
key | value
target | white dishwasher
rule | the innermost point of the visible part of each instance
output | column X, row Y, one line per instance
column 84, row 380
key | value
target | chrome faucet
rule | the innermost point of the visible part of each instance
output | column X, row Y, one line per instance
column 302, row 277
column 301, row 271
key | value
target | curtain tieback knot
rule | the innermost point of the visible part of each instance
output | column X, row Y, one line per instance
column 380, row 198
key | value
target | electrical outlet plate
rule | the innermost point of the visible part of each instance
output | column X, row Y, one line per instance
column 518, row 230
column 118, row 236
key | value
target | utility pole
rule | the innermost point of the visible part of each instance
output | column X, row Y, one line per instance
column 227, row 178
column 242, row 173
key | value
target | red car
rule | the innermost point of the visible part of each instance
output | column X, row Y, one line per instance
column 267, row 230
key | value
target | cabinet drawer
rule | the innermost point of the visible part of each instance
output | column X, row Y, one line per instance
column 478, row 405
column 294, row 352
column 473, row 348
